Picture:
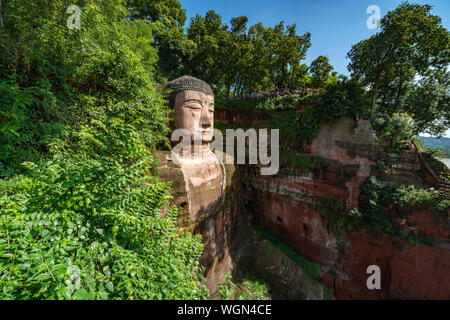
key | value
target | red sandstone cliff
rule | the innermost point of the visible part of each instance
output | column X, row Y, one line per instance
column 286, row 205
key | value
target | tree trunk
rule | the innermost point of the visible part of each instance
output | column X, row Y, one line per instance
column 397, row 98
column 375, row 89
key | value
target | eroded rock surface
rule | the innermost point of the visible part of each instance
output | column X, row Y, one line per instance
column 288, row 205
column 295, row 204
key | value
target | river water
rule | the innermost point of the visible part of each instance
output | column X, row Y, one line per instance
column 446, row 161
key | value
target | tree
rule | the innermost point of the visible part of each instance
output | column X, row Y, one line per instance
column 234, row 61
column 210, row 35
column 320, row 70
column 167, row 19
column 286, row 50
column 166, row 11
column 412, row 44
column 397, row 129
column 273, row 59
column 239, row 24
column 429, row 102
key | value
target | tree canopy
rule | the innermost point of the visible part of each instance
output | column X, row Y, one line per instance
column 405, row 66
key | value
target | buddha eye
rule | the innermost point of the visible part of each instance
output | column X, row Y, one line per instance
column 211, row 110
column 194, row 107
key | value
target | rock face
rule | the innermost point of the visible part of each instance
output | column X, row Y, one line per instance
column 291, row 206
column 407, row 272
column 288, row 205
column 285, row 278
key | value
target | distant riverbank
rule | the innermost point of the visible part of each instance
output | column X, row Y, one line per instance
column 446, row 161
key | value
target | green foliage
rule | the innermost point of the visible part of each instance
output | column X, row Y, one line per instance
column 234, row 60
column 295, row 129
column 291, row 101
column 344, row 98
column 373, row 198
column 141, row 34
column 253, row 288
column 428, row 102
column 301, row 164
column 167, row 18
column 249, row 288
column 412, row 44
column 167, row 11
column 339, row 221
column 226, row 289
column 68, row 76
column 24, row 130
column 320, row 70
column 409, row 196
column 397, row 129
column 311, row 269
column 83, row 217
column 377, row 199
column 90, row 227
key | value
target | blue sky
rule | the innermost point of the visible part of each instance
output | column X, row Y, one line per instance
column 334, row 25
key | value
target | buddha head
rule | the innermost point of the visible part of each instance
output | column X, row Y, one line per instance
column 193, row 103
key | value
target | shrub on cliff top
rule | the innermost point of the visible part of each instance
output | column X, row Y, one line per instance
column 397, row 129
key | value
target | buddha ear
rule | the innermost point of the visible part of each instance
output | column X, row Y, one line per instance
column 178, row 98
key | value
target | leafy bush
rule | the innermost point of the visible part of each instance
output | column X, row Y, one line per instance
column 24, row 131
column 84, row 217
column 249, row 288
column 409, row 196
column 346, row 98
column 226, row 289
column 379, row 198
column 397, row 130
column 89, row 226
column 253, row 288
column 373, row 197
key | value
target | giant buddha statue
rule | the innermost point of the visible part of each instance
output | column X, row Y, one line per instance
column 192, row 101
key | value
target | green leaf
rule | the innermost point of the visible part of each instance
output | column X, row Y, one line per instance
column 82, row 295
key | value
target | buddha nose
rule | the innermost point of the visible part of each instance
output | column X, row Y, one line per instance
column 205, row 120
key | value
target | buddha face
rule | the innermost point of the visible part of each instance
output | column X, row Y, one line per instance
column 194, row 111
